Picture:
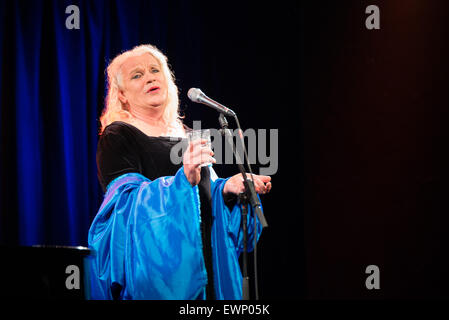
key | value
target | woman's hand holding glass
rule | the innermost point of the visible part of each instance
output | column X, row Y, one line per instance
column 198, row 153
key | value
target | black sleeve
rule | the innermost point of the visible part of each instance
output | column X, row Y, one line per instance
column 117, row 154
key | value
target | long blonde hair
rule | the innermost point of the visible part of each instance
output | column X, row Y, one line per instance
column 116, row 111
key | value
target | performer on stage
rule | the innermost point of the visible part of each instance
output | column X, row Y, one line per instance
column 164, row 230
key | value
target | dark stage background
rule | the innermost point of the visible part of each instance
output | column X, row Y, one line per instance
column 376, row 148
column 362, row 175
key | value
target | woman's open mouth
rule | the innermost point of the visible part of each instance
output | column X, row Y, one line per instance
column 153, row 89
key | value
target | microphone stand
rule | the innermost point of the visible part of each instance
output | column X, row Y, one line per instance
column 250, row 196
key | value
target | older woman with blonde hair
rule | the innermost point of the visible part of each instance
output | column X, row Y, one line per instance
column 164, row 230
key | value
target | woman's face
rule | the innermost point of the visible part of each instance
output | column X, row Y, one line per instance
column 144, row 84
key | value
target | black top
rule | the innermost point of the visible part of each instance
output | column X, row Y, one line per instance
column 123, row 148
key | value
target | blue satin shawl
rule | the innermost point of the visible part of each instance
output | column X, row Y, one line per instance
column 147, row 242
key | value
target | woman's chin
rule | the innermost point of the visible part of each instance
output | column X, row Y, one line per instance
column 156, row 102
column 156, row 105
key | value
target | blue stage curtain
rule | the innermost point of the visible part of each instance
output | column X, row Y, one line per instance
column 52, row 89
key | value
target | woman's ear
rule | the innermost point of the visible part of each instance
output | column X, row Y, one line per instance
column 122, row 97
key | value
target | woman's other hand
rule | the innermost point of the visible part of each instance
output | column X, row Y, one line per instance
column 235, row 184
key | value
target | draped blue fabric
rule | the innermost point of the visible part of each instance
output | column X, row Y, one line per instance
column 147, row 241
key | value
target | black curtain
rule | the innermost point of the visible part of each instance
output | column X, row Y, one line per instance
column 376, row 142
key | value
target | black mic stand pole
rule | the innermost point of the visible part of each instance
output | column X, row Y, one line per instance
column 249, row 185
column 251, row 196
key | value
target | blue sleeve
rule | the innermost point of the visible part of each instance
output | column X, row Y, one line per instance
column 233, row 219
column 147, row 240
column 227, row 241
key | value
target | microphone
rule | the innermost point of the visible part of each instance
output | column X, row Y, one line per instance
column 196, row 95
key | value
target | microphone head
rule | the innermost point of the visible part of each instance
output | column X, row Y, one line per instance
column 194, row 94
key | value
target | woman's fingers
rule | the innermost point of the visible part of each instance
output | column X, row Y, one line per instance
column 262, row 184
column 206, row 156
column 268, row 187
column 265, row 179
column 199, row 153
column 258, row 185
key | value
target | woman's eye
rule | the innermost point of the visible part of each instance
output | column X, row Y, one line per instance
column 154, row 70
column 136, row 76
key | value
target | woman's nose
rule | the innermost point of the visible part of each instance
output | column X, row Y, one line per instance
column 150, row 77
